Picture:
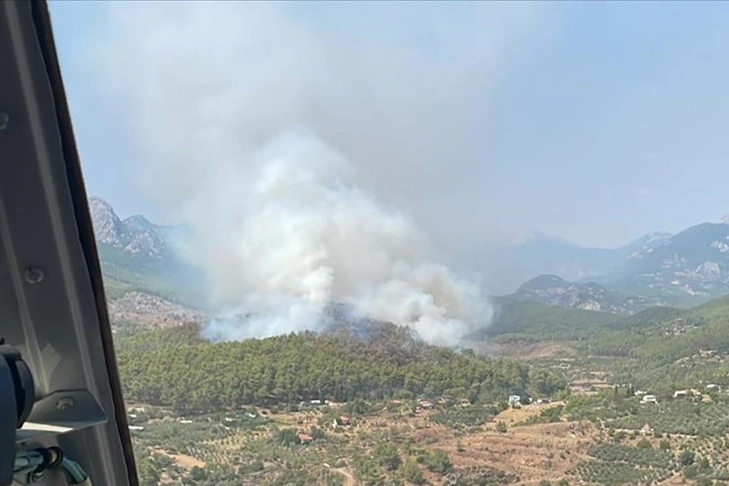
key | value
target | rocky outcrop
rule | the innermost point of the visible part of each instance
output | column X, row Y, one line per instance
column 553, row 290
column 140, row 309
column 108, row 228
column 135, row 235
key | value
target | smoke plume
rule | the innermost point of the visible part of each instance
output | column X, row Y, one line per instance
column 302, row 235
column 261, row 135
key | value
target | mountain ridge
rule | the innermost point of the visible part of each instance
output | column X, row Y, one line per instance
column 146, row 282
column 541, row 254
column 553, row 290
column 683, row 269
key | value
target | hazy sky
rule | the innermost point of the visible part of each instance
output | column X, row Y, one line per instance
column 597, row 122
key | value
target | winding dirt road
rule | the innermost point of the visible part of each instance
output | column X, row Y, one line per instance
column 344, row 472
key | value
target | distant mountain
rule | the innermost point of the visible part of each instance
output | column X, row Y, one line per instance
column 137, row 255
column 682, row 270
column 536, row 321
column 553, row 290
column 645, row 243
column 688, row 268
column 541, row 254
column 135, row 236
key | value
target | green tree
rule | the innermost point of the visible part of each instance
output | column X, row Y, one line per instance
column 689, row 472
column 278, row 371
column 687, row 457
column 387, row 456
column 438, row 461
column 644, row 444
column 288, row 437
column 619, row 436
column 147, row 473
column 317, row 433
column 411, row 472
column 198, row 474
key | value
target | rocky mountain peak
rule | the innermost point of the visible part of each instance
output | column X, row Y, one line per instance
column 139, row 222
column 107, row 225
column 553, row 290
column 135, row 235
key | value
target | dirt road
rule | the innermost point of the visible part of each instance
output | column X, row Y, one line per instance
column 349, row 478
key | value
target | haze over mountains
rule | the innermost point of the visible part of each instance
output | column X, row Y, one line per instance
column 146, row 282
column 146, row 276
column 681, row 270
column 543, row 254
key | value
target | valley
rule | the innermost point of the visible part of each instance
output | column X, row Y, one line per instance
column 572, row 383
column 583, row 414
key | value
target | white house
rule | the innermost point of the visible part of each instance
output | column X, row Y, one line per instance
column 514, row 399
column 426, row 404
column 649, row 399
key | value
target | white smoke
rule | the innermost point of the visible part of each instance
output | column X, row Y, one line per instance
column 301, row 236
column 255, row 132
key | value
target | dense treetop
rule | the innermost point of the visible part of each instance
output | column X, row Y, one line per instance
column 176, row 367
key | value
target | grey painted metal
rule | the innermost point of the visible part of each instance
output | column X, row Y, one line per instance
column 8, row 422
column 48, row 306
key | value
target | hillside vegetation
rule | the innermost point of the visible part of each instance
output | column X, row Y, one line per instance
column 167, row 278
column 176, row 368
column 533, row 321
column 661, row 348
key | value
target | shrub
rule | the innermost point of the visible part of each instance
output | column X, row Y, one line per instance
column 387, row 456
column 644, row 444
column 689, row 472
column 437, row 461
column 686, row 458
column 412, row 473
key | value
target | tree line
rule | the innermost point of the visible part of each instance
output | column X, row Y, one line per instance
column 177, row 368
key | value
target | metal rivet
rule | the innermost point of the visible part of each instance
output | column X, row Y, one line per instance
column 33, row 275
column 4, row 120
column 65, row 403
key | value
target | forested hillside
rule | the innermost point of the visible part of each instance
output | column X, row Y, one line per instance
column 535, row 321
column 175, row 368
column 660, row 348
